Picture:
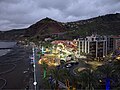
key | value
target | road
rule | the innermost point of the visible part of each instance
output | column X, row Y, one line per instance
column 81, row 64
column 37, row 72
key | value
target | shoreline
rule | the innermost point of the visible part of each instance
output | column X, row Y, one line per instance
column 19, row 56
column 4, row 51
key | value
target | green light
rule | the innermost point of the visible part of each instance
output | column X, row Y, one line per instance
column 44, row 74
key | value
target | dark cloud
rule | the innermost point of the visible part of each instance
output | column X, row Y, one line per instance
column 59, row 4
column 22, row 13
column 9, row 1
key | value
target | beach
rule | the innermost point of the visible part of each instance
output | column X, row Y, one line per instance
column 15, row 68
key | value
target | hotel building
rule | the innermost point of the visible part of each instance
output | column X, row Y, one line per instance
column 96, row 45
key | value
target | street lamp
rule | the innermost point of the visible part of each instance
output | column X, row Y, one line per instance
column 35, row 81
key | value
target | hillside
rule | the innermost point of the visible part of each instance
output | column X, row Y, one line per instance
column 14, row 34
column 107, row 25
column 45, row 28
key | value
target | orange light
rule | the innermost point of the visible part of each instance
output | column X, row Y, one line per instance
column 39, row 61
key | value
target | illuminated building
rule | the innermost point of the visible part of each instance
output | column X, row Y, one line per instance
column 50, row 59
column 65, row 48
column 60, row 50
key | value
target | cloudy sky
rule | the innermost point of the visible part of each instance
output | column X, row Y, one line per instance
column 23, row 13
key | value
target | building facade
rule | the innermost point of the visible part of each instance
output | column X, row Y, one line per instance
column 95, row 45
column 116, row 42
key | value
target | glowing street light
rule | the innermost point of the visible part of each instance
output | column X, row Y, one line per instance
column 35, row 83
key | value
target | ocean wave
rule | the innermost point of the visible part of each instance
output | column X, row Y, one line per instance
column 4, row 52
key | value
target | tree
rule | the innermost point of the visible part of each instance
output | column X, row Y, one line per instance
column 116, row 65
column 61, row 75
column 46, row 44
column 45, row 66
column 88, row 79
column 66, row 76
column 106, row 73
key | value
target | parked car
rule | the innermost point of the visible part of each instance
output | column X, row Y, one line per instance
column 74, row 62
column 68, row 65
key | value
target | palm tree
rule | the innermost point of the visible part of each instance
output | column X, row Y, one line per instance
column 88, row 79
column 67, row 77
column 47, row 44
column 74, row 81
column 45, row 66
column 106, row 73
column 63, row 76
column 55, row 75
column 116, row 65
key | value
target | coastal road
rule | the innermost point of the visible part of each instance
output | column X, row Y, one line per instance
column 37, row 72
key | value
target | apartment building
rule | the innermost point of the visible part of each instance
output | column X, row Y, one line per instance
column 116, row 42
column 95, row 45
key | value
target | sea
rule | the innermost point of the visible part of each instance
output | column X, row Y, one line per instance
column 6, row 44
